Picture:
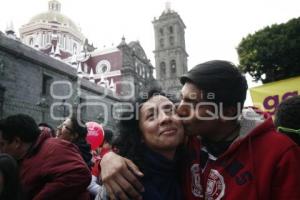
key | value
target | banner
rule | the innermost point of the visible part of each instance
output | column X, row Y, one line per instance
column 268, row 96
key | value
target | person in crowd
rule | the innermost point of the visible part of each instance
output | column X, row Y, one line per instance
column 49, row 168
column 9, row 178
column 47, row 128
column 287, row 118
column 75, row 131
column 233, row 154
column 106, row 146
column 150, row 136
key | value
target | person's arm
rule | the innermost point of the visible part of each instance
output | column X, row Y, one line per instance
column 94, row 186
column 286, row 181
column 120, row 177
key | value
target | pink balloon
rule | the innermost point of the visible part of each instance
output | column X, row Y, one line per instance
column 95, row 134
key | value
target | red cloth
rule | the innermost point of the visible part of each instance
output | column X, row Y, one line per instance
column 96, row 169
column 261, row 165
column 54, row 169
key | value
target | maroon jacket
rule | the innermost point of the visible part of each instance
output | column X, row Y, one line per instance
column 260, row 164
column 54, row 169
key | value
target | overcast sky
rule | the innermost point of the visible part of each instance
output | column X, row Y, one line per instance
column 214, row 28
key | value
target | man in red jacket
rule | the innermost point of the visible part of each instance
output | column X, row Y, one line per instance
column 49, row 168
column 232, row 154
column 239, row 155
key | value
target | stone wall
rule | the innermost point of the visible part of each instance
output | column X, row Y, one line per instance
column 48, row 89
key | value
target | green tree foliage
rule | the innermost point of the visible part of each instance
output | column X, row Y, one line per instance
column 273, row 52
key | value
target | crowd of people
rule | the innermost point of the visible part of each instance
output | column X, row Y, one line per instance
column 206, row 146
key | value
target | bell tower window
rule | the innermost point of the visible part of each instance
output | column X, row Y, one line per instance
column 171, row 40
column 173, row 66
column 171, row 29
column 161, row 31
column 161, row 43
column 163, row 69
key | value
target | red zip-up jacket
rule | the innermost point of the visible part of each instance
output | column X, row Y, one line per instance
column 260, row 164
column 54, row 169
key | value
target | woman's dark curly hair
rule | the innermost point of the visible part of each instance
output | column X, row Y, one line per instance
column 79, row 127
column 129, row 142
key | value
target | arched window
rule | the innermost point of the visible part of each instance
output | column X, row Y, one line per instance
column 64, row 42
column 141, row 70
column 173, row 66
column 162, row 69
column 161, row 31
column 47, row 38
column 31, row 42
column 44, row 39
column 137, row 69
column 161, row 42
column 146, row 73
column 74, row 48
column 171, row 40
column 59, row 40
column 170, row 29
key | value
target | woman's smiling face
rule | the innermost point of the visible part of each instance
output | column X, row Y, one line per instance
column 160, row 127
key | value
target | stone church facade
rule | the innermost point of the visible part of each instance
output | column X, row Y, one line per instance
column 49, row 76
column 47, row 89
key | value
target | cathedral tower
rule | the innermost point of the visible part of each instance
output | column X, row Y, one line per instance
column 170, row 53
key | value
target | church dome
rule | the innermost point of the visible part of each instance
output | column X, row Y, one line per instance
column 55, row 17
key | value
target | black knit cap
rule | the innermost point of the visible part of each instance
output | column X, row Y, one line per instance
column 221, row 78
